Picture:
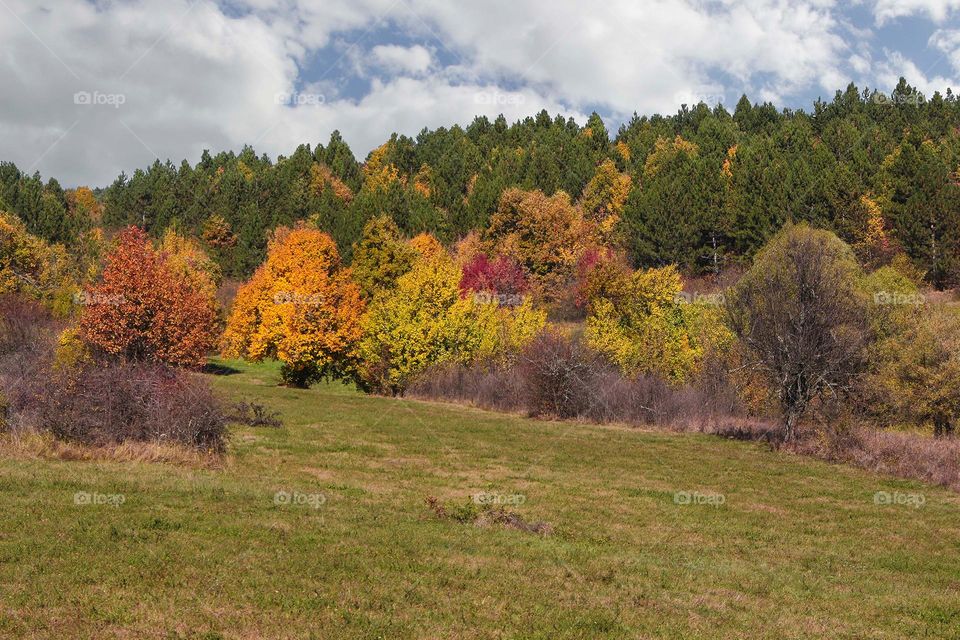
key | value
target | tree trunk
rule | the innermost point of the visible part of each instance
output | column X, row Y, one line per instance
column 790, row 426
column 942, row 426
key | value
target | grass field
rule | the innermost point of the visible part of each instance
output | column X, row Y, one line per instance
column 771, row 545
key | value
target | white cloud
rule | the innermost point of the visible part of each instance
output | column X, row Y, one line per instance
column 890, row 70
column 197, row 75
column 638, row 56
column 415, row 59
column 948, row 41
column 885, row 11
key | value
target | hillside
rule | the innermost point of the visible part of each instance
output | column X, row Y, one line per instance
column 703, row 188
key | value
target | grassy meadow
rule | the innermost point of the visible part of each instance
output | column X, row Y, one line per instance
column 654, row 535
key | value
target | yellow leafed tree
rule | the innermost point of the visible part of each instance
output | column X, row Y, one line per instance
column 648, row 327
column 424, row 321
column 604, row 196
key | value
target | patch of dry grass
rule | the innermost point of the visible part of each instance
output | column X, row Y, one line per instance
column 44, row 446
column 904, row 454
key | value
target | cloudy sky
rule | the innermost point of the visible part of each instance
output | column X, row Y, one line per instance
column 92, row 88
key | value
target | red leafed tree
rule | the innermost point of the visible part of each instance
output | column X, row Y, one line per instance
column 500, row 275
column 144, row 309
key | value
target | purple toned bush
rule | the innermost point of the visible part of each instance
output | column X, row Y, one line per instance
column 558, row 377
column 500, row 276
column 98, row 403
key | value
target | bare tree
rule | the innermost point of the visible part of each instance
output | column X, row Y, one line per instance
column 803, row 320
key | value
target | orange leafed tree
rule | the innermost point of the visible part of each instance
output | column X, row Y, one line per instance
column 547, row 235
column 301, row 306
column 145, row 309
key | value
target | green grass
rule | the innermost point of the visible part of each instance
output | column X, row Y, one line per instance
column 798, row 549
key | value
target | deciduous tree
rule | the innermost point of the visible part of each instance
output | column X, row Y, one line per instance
column 300, row 307
column 800, row 314
column 143, row 308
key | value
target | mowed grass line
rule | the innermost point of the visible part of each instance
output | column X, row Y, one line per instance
column 798, row 549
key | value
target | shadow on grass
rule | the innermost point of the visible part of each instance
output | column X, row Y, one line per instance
column 219, row 369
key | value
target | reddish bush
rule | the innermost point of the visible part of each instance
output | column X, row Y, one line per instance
column 559, row 376
column 907, row 455
column 97, row 402
column 500, row 389
column 24, row 324
column 28, row 335
column 600, row 273
column 501, row 276
column 144, row 310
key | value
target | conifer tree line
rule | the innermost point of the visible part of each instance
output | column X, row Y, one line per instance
column 702, row 189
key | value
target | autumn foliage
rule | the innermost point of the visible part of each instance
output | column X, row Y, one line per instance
column 144, row 309
column 546, row 235
column 425, row 321
column 300, row 307
column 498, row 276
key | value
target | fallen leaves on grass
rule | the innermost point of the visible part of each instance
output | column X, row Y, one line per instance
column 486, row 516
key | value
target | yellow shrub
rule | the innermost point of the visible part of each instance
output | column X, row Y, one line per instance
column 188, row 258
column 424, row 321
column 650, row 329
column 29, row 265
column 71, row 351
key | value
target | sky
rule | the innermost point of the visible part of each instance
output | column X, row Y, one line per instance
column 93, row 88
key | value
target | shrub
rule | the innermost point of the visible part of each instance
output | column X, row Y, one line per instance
column 28, row 264
column 380, row 257
column 24, row 324
column 4, row 412
column 546, row 235
column 254, row 414
column 189, row 261
column 144, row 309
column 559, row 375
column 96, row 402
column 913, row 372
column 424, row 322
column 70, row 351
column 111, row 403
column 501, row 276
column 903, row 454
column 500, row 388
column 640, row 322
column 604, row 197
column 555, row 376
column 28, row 333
